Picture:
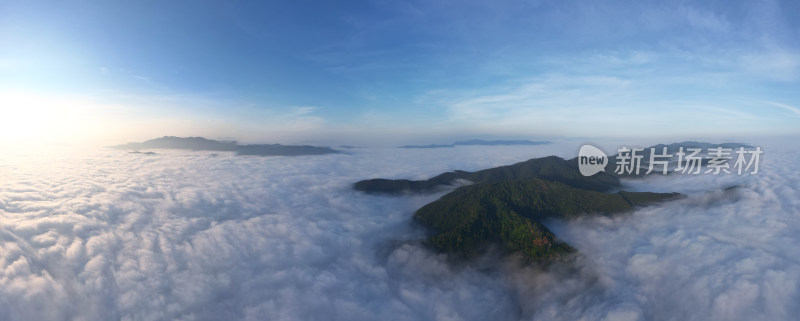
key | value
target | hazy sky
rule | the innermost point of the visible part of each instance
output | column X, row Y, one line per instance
column 362, row 72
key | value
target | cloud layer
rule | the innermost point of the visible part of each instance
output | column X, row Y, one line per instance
column 190, row 236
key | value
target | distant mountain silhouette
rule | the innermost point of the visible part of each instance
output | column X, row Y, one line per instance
column 172, row 142
column 282, row 150
column 200, row 143
column 482, row 143
column 500, row 142
column 426, row 146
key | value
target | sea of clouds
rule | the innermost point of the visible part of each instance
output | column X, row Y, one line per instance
column 106, row 235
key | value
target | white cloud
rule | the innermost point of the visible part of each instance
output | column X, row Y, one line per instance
column 188, row 236
column 601, row 105
column 706, row 20
column 773, row 64
column 713, row 256
column 790, row 108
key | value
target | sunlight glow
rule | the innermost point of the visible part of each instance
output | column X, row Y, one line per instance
column 30, row 119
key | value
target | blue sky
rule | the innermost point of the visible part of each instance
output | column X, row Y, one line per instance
column 373, row 72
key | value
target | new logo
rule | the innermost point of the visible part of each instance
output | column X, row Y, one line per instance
column 591, row 160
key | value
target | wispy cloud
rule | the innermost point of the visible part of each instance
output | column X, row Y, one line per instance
column 774, row 64
column 605, row 105
column 791, row 109
column 706, row 19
